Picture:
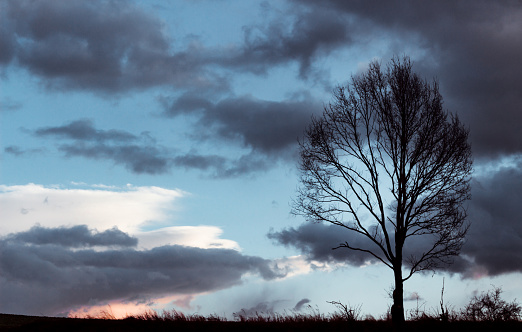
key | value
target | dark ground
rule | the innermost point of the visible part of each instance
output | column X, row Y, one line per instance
column 32, row 323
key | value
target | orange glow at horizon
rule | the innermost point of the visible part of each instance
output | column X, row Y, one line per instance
column 119, row 309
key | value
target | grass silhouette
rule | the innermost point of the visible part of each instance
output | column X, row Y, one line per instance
column 484, row 312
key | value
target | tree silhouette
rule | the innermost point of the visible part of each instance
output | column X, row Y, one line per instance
column 387, row 162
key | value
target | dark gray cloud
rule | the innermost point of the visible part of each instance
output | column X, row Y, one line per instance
column 8, row 104
column 7, row 43
column 74, row 237
column 202, row 162
column 83, row 130
column 42, row 274
column 17, row 151
column 268, row 127
column 220, row 167
column 136, row 158
column 299, row 305
column 317, row 241
column 14, row 150
column 493, row 243
column 107, row 46
column 142, row 154
column 263, row 125
column 300, row 36
column 139, row 154
column 472, row 47
column 7, row 37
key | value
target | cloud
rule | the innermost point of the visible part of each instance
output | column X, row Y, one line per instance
column 269, row 127
column 103, row 46
column 8, row 104
column 129, row 208
column 494, row 241
column 139, row 154
column 220, row 167
column 472, row 48
column 14, row 150
column 316, row 241
column 137, row 159
column 470, row 52
column 71, row 45
column 83, row 130
column 194, row 160
column 299, row 305
column 7, row 42
column 297, row 35
column 205, row 237
column 17, row 151
column 42, row 276
column 74, row 237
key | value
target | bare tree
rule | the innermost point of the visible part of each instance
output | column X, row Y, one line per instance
column 387, row 162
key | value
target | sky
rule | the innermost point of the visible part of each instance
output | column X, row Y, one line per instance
column 149, row 151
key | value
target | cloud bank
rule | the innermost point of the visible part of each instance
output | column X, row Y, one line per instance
column 129, row 253
column 101, row 46
column 473, row 52
column 43, row 274
column 473, row 49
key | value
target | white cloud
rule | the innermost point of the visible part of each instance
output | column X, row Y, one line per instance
column 23, row 206
column 296, row 265
column 194, row 236
column 102, row 207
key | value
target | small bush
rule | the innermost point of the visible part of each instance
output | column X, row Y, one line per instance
column 491, row 307
column 346, row 312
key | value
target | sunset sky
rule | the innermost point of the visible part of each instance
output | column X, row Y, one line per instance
column 149, row 151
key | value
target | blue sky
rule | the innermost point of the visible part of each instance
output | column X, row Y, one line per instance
column 149, row 150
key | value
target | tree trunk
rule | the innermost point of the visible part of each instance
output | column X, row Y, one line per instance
column 397, row 310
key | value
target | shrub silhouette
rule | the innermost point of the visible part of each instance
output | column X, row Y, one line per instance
column 489, row 306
